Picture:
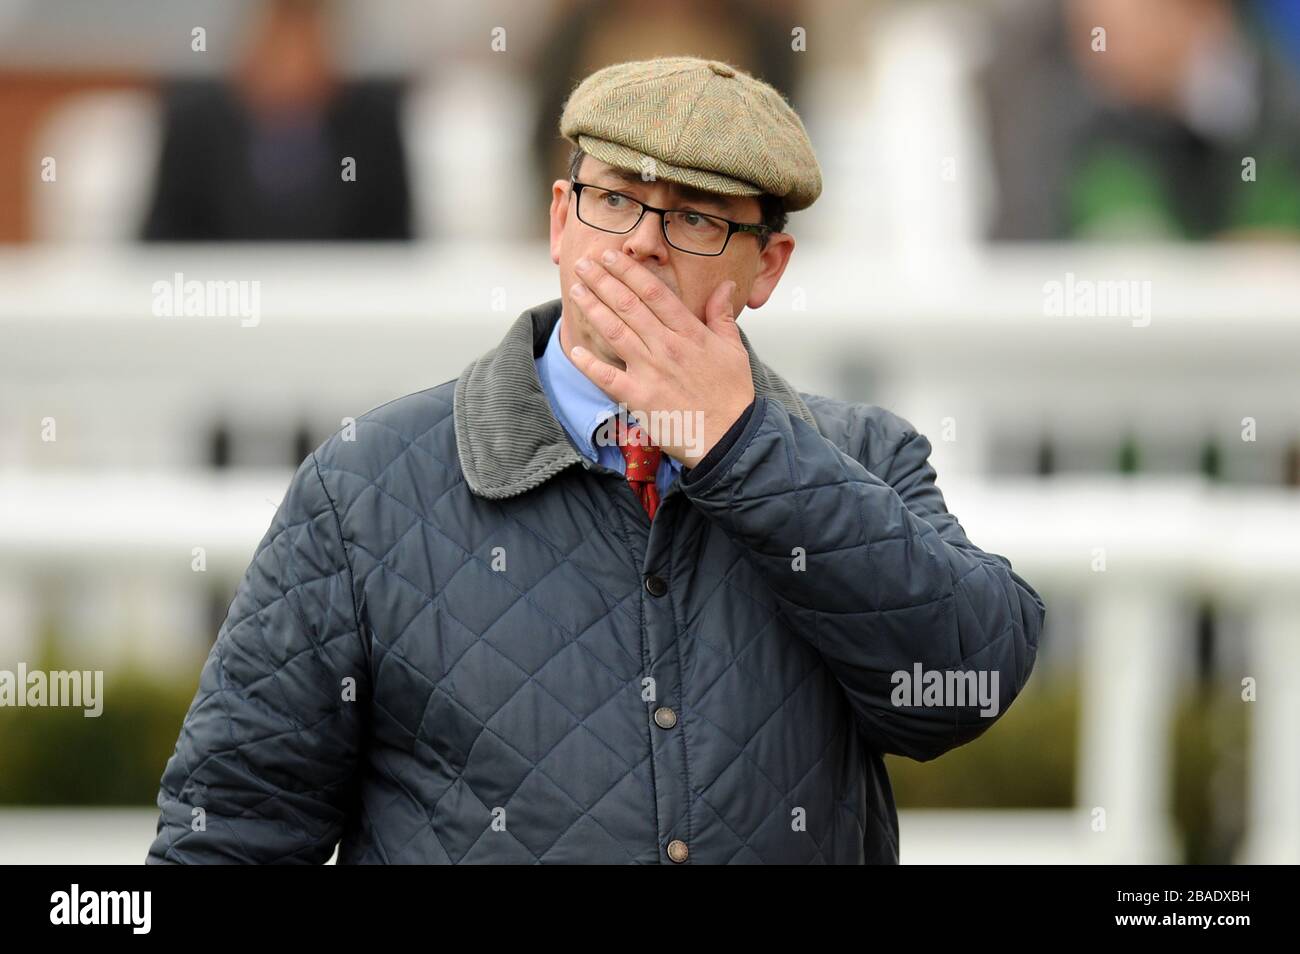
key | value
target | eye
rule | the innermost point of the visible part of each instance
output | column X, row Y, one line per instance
column 698, row 220
column 614, row 200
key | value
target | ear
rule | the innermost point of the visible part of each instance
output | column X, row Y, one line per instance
column 560, row 192
column 771, row 265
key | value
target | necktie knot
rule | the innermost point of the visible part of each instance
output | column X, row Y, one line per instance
column 640, row 456
column 641, row 460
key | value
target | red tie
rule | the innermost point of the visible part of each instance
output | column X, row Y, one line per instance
column 642, row 459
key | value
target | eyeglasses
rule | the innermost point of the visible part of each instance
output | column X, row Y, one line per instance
column 686, row 230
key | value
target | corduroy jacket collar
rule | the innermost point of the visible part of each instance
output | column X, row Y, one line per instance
column 507, row 436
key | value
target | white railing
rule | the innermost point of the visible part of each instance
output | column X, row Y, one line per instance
column 1162, row 540
column 121, row 494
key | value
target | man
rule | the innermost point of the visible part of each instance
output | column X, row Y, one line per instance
column 618, row 593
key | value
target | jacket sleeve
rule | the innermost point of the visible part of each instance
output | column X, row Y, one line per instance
column 872, row 570
column 264, row 768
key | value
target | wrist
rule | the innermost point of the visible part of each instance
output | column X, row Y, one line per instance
column 714, row 449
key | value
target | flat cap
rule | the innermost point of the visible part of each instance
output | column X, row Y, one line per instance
column 701, row 123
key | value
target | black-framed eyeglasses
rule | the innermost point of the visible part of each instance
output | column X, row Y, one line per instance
column 696, row 233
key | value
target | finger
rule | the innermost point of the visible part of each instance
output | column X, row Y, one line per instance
column 608, row 378
column 662, row 302
column 620, row 335
column 720, row 312
column 624, row 303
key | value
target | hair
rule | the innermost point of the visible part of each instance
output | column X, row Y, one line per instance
column 771, row 208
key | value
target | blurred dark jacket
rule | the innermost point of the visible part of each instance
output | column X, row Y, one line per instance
column 220, row 178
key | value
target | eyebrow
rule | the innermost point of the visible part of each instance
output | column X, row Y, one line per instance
column 686, row 193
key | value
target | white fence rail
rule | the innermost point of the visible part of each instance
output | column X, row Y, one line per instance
column 963, row 342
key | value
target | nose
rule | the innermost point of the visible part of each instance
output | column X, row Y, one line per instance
column 647, row 239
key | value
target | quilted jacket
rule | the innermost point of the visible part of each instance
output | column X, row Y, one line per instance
column 462, row 641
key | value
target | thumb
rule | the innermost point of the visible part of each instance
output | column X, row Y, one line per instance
column 720, row 313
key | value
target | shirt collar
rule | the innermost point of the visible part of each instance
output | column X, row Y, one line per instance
column 578, row 404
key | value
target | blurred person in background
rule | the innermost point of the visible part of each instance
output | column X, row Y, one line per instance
column 261, row 157
column 1147, row 137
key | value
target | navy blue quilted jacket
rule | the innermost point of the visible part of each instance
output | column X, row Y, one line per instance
column 461, row 641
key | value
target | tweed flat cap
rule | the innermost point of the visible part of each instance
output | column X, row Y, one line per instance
column 701, row 123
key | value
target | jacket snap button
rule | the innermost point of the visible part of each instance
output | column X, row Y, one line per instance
column 677, row 850
column 655, row 586
column 665, row 717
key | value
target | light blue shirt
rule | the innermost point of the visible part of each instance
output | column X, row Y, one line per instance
column 581, row 407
